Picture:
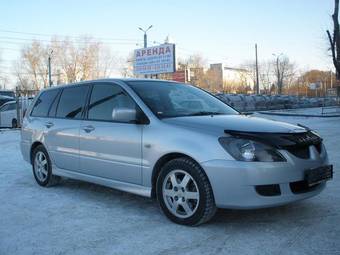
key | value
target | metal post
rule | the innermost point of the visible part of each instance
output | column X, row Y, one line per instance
column 49, row 68
column 257, row 71
column 49, row 71
column 17, row 99
column 145, row 40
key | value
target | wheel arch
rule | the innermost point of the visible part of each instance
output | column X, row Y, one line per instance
column 161, row 162
column 34, row 145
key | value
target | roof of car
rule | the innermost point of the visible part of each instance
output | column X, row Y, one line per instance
column 5, row 97
column 125, row 80
column 9, row 102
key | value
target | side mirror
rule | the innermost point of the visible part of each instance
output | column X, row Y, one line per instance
column 124, row 115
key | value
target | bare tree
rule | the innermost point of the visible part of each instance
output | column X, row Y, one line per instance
column 283, row 71
column 266, row 76
column 33, row 65
column 72, row 61
column 334, row 40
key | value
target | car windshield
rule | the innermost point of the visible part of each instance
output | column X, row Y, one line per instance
column 169, row 99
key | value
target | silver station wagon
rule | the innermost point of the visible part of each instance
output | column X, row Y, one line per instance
column 171, row 141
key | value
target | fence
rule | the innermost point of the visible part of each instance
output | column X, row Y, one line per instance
column 23, row 98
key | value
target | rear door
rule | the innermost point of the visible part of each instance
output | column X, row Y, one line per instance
column 110, row 148
column 63, row 125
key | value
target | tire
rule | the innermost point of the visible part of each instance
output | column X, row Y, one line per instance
column 190, row 203
column 14, row 123
column 42, row 168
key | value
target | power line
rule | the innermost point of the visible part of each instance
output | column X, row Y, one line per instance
column 10, row 49
column 55, row 35
column 73, row 42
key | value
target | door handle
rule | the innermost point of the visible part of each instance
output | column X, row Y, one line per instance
column 49, row 124
column 89, row 128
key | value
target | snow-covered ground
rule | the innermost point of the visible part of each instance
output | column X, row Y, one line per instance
column 81, row 218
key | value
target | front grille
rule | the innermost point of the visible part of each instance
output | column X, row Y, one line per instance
column 302, row 141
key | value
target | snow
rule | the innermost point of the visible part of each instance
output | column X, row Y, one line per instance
column 80, row 218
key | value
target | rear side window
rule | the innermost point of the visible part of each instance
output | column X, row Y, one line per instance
column 43, row 103
column 106, row 97
column 72, row 102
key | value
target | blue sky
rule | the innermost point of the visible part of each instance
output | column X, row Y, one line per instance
column 222, row 31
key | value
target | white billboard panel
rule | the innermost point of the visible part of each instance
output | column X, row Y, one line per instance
column 155, row 60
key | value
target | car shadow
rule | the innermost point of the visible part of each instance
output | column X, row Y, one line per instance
column 111, row 198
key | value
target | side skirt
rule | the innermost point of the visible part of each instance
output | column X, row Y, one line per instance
column 123, row 186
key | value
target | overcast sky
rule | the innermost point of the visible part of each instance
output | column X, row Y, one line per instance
column 222, row 31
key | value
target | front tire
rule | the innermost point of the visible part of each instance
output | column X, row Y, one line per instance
column 184, row 192
column 42, row 168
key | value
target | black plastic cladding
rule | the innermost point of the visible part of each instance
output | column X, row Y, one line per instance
column 280, row 140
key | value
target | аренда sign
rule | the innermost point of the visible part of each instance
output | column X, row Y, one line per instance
column 155, row 60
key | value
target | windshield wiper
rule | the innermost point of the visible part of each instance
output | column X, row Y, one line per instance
column 202, row 113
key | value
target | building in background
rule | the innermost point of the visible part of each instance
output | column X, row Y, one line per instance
column 231, row 79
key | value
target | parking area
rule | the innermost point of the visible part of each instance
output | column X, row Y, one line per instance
column 80, row 218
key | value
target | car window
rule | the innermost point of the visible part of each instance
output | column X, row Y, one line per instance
column 53, row 109
column 104, row 98
column 43, row 103
column 4, row 108
column 7, row 93
column 72, row 102
column 169, row 99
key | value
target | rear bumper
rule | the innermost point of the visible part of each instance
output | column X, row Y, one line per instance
column 234, row 183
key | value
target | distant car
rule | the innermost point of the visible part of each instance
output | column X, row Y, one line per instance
column 249, row 103
column 9, row 115
column 315, row 102
column 5, row 99
column 303, row 102
column 7, row 93
column 236, row 102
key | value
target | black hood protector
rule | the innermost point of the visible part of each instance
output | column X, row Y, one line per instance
column 280, row 140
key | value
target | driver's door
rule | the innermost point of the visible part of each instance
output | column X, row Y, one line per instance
column 110, row 148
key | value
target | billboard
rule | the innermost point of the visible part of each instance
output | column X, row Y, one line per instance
column 155, row 60
column 179, row 76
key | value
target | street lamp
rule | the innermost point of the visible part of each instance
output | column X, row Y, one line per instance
column 145, row 35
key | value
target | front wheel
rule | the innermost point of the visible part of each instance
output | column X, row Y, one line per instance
column 184, row 192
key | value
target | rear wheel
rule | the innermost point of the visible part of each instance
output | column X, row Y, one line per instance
column 42, row 167
column 184, row 192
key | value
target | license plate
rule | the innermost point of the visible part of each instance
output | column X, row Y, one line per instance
column 317, row 175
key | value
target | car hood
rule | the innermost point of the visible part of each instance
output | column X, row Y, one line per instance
column 239, row 123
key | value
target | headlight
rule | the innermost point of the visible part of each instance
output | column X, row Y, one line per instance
column 249, row 150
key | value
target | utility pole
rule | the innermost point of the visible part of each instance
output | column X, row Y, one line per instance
column 257, row 71
column 145, row 39
column 49, row 69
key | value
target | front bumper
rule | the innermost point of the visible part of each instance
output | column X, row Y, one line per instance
column 234, row 182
